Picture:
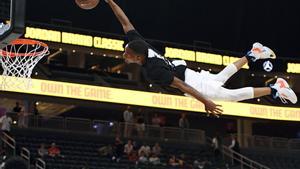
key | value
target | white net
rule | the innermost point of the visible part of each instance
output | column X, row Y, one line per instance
column 18, row 61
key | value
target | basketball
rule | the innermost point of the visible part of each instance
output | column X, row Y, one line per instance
column 87, row 4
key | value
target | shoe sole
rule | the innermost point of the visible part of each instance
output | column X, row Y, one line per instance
column 272, row 53
column 289, row 94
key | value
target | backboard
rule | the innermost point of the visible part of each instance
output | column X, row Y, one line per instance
column 12, row 20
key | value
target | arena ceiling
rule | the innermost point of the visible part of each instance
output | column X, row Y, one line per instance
column 226, row 25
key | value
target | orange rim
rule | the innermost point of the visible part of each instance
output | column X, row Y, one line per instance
column 24, row 42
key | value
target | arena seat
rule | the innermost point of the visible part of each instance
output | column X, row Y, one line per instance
column 274, row 159
column 80, row 150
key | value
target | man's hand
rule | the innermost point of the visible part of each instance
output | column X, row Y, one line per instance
column 212, row 108
column 107, row 1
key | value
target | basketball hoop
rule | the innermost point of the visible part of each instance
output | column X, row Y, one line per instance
column 18, row 60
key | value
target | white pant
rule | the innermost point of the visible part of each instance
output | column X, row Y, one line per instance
column 211, row 85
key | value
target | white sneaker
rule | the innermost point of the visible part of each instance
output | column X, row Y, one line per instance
column 259, row 51
column 284, row 92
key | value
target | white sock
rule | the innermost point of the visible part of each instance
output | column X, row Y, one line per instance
column 226, row 73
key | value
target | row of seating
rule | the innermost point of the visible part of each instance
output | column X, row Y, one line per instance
column 80, row 151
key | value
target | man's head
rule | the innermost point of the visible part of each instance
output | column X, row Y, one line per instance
column 117, row 139
column 135, row 52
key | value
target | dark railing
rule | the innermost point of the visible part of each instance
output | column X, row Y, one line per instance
column 270, row 143
column 111, row 129
column 25, row 154
column 40, row 164
column 273, row 143
column 9, row 143
column 242, row 160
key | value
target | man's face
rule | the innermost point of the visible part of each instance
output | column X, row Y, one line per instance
column 130, row 57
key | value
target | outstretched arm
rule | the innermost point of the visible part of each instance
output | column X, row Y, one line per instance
column 123, row 19
column 210, row 107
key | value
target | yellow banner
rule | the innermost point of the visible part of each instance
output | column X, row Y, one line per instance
column 117, row 45
column 74, row 39
column 202, row 57
column 139, row 98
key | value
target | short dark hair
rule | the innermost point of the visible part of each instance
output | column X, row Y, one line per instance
column 139, row 47
column 16, row 162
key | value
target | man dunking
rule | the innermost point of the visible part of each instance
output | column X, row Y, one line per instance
column 203, row 85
